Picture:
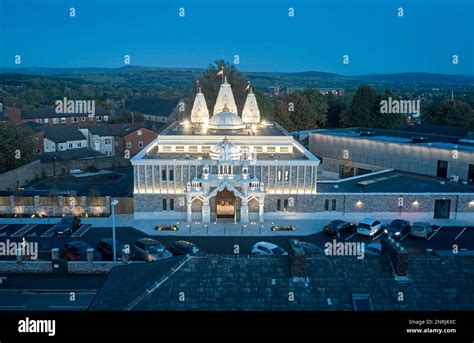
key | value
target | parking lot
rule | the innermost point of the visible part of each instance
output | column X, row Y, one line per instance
column 443, row 238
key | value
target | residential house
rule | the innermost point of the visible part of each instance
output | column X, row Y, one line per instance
column 100, row 139
column 48, row 116
column 64, row 138
column 131, row 137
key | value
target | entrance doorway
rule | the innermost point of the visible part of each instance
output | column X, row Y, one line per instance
column 225, row 205
column 442, row 208
column 442, row 170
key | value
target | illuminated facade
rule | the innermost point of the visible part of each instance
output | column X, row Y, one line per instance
column 224, row 167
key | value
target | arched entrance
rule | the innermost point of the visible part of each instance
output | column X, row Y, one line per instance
column 225, row 204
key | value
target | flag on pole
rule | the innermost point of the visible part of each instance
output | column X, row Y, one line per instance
column 247, row 88
column 220, row 72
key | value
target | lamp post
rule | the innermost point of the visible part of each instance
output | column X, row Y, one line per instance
column 114, row 245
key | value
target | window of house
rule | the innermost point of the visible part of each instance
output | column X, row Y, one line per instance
column 171, row 175
column 164, row 205
column 163, row 175
column 63, row 120
column 258, row 149
column 333, row 204
column 166, row 148
column 46, row 120
column 206, row 148
column 139, row 133
column 278, row 204
column 140, row 144
column 193, row 148
column 326, row 205
column 171, row 204
column 129, row 145
column 285, row 204
column 106, row 118
column 55, row 120
column 70, row 145
column 271, row 149
column 79, row 144
column 287, row 175
column 99, row 118
column 83, row 118
column 74, row 120
column 179, row 148
column 108, row 141
column 279, row 175
column 284, row 149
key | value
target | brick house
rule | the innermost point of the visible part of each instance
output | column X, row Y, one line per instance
column 132, row 137
column 47, row 116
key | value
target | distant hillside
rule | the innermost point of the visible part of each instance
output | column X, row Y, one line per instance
column 182, row 78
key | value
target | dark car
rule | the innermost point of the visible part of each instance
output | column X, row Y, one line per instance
column 150, row 250
column 311, row 249
column 398, row 228
column 337, row 227
column 105, row 248
column 76, row 251
column 183, row 248
column 67, row 225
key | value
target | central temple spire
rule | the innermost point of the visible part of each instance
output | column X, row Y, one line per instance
column 225, row 98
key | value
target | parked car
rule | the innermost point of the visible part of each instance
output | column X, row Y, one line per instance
column 77, row 251
column 150, row 250
column 67, row 225
column 422, row 230
column 105, row 247
column 373, row 249
column 398, row 228
column 266, row 248
column 183, row 248
column 337, row 227
column 369, row 227
column 311, row 249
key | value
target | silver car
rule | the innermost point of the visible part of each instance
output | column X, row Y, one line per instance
column 420, row 229
column 150, row 250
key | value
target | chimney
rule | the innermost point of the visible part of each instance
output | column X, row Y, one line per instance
column 398, row 257
column 297, row 259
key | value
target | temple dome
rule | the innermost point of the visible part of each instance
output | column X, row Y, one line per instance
column 226, row 120
column 225, row 151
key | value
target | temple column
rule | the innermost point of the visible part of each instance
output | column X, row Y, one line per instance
column 206, row 211
column 244, row 211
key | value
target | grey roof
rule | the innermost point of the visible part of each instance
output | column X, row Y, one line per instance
column 99, row 130
column 403, row 137
column 49, row 112
column 395, row 182
column 264, row 283
column 123, row 129
column 62, row 134
column 68, row 155
column 162, row 107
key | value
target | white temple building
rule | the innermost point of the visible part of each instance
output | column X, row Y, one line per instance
column 224, row 167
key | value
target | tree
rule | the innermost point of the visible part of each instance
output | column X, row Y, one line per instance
column 281, row 113
column 318, row 108
column 450, row 113
column 363, row 108
column 336, row 105
column 16, row 146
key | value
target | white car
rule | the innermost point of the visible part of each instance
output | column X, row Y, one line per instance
column 369, row 227
column 266, row 248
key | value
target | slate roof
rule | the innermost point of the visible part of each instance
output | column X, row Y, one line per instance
column 68, row 155
column 162, row 107
column 264, row 283
column 49, row 112
column 99, row 130
column 123, row 129
column 62, row 134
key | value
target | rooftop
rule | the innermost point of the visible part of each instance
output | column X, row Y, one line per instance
column 270, row 129
column 393, row 182
column 162, row 107
column 62, row 134
column 253, row 283
column 405, row 137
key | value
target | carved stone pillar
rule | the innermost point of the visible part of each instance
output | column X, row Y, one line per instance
column 206, row 211
column 244, row 211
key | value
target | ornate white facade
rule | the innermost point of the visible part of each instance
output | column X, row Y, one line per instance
column 225, row 167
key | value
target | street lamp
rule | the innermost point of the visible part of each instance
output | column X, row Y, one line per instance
column 114, row 203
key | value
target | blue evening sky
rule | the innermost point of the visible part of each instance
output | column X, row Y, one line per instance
column 259, row 31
